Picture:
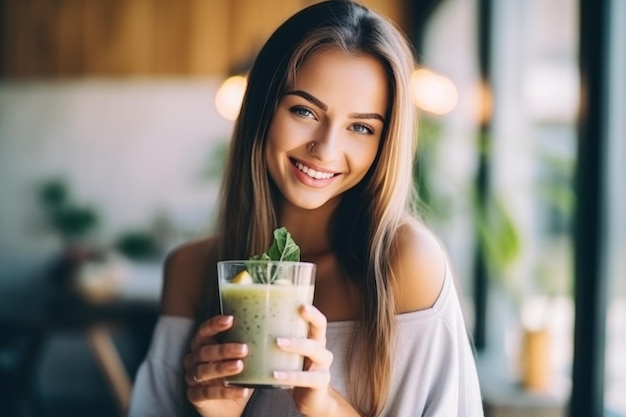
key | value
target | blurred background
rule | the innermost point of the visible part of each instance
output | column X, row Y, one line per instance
column 115, row 117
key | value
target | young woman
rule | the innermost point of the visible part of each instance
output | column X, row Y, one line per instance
column 324, row 145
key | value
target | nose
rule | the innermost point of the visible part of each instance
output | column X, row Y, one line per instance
column 327, row 145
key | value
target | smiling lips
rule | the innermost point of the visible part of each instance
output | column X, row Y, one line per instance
column 317, row 175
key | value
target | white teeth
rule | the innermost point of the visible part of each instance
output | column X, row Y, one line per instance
column 313, row 173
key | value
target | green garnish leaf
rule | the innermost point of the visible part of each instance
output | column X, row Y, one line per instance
column 284, row 248
column 261, row 257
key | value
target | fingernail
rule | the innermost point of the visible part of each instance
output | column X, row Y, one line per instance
column 242, row 348
column 280, row 375
column 281, row 341
column 225, row 319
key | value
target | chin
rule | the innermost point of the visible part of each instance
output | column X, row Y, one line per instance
column 313, row 203
column 309, row 205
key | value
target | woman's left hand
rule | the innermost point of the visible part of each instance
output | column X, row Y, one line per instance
column 312, row 392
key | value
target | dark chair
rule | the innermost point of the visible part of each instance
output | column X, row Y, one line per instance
column 20, row 352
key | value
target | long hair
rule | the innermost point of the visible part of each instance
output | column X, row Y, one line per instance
column 363, row 234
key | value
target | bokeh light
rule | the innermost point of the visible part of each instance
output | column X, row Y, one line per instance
column 432, row 92
column 229, row 97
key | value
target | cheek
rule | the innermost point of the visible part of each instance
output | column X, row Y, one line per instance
column 279, row 141
column 273, row 136
column 360, row 163
column 279, row 137
column 367, row 155
column 286, row 133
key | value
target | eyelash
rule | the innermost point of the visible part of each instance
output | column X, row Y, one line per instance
column 368, row 129
column 306, row 113
column 299, row 111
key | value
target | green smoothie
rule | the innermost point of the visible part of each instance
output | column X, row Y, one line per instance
column 263, row 312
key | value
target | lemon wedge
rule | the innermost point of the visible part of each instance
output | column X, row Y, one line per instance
column 242, row 278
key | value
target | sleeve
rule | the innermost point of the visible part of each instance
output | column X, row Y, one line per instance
column 455, row 389
column 158, row 389
column 434, row 371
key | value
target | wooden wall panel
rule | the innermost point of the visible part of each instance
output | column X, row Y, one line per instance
column 70, row 55
column 171, row 36
column 12, row 38
column 78, row 38
column 118, row 37
column 100, row 53
column 209, row 37
column 253, row 22
column 136, row 40
column 30, row 30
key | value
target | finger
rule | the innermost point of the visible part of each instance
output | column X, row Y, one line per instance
column 317, row 322
column 308, row 379
column 210, row 328
column 214, row 353
column 213, row 370
column 312, row 349
column 200, row 394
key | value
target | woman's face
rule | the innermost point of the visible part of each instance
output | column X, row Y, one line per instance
column 326, row 130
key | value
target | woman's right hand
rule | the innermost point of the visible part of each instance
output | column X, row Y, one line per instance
column 206, row 366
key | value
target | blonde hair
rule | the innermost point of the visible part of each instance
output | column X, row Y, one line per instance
column 363, row 234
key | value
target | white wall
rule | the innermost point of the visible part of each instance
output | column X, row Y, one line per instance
column 134, row 149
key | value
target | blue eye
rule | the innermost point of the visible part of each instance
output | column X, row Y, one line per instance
column 302, row 112
column 362, row 129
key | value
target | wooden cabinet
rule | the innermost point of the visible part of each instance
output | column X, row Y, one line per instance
column 76, row 38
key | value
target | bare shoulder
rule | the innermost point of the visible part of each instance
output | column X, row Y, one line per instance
column 185, row 275
column 419, row 267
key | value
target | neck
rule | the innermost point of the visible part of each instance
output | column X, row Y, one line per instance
column 310, row 229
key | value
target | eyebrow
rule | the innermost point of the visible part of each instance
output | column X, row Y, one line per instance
column 324, row 107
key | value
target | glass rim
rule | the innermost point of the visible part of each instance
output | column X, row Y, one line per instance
column 265, row 262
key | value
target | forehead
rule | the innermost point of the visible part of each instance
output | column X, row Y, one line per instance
column 343, row 79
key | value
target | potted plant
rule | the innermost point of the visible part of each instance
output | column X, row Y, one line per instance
column 72, row 223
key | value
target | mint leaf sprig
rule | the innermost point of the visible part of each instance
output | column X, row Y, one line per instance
column 284, row 248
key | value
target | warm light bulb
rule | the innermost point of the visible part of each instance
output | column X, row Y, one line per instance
column 229, row 97
column 432, row 92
